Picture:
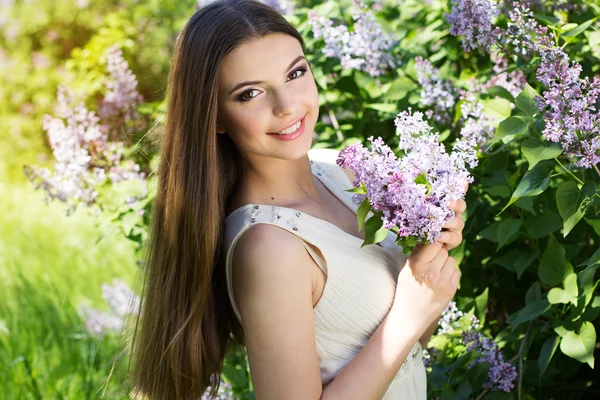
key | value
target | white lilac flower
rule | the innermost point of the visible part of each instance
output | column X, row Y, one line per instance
column 367, row 47
column 449, row 319
column 472, row 20
column 121, row 302
column 416, row 208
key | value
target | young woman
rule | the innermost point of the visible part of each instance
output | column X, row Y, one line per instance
column 254, row 240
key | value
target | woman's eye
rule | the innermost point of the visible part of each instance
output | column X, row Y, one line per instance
column 297, row 73
column 248, row 95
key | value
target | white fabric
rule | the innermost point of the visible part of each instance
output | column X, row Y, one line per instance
column 360, row 285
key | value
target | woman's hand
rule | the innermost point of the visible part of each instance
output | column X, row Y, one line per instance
column 425, row 286
column 452, row 231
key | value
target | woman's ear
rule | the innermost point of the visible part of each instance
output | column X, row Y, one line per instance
column 220, row 128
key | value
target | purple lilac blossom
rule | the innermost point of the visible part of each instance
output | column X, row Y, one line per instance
column 472, row 20
column 84, row 156
column 477, row 127
column 571, row 103
column 121, row 97
column 366, row 48
column 435, row 92
column 414, row 209
column 521, row 26
column 502, row 375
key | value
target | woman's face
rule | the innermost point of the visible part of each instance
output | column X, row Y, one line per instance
column 266, row 86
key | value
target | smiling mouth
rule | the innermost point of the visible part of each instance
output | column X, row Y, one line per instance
column 290, row 128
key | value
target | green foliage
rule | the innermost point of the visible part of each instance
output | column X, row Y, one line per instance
column 531, row 250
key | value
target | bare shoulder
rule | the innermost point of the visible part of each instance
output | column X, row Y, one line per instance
column 272, row 286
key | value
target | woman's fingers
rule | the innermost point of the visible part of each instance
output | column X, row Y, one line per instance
column 450, row 239
column 456, row 224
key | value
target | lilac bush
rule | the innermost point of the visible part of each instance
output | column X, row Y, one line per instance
column 437, row 94
column 570, row 104
column 85, row 157
column 367, row 47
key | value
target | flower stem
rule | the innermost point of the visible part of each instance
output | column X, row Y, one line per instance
column 335, row 124
column 568, row 171
column 482, row 394
column 597, row 170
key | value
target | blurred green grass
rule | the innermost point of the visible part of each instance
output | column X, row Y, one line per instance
column 50, row 263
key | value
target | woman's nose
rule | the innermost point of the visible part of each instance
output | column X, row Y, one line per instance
column 285, row 103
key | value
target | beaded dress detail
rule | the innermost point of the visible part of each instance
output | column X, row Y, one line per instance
column 360, row 285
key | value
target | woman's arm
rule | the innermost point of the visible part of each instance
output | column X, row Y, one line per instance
column 273, row 290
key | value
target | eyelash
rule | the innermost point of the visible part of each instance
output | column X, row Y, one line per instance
column 302, row 69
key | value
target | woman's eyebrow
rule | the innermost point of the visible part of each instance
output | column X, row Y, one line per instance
column 248, row 83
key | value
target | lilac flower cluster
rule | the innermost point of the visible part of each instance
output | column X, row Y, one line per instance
column 476, row 126
column 121, row 97
column 572, row 117
column 366, row 48
column 121, row 302
column 521, row 26
column 225, row 392
column 435, row 92
column 411, row 193
column 513, row 81
column 79, row 140
column 502, row 375
column 449, row 319
column 472, row 20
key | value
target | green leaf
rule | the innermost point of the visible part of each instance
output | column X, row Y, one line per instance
column 529, row 312
column 399, row 88
column 593, row 260
column 534, row 182
column 511, row 127
column 526, row 101
column 383, row 107
column 573, row 203
column 374, row 231
column 526, row 203
column 554, row 267
column 358, row 190
column 546, row 353
column 579, row 29
column 580, row 346
column 496, row 108
column 362, row 212
column 594, row 223
column 499, row 91
column 535, row 151
column 481, row 302
column 540, row 226
column 508, row 231
column 534, row 293
column 422, row 180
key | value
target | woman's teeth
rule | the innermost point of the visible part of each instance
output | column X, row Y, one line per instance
column 291, row 129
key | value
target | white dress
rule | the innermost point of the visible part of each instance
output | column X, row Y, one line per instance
column 360, row 285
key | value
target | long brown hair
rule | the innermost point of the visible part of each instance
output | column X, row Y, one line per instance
column 186, row 323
